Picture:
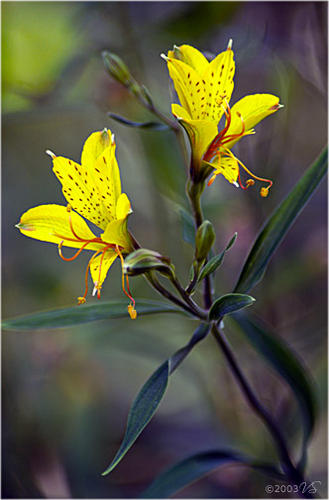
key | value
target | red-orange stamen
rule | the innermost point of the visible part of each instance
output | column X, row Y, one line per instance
column 217, row 141
column 82, row 300
column 68, row 259
column 229, row 138
column 264, row 190
column 131, row 307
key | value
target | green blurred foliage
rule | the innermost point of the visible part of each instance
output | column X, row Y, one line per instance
column 37, row 42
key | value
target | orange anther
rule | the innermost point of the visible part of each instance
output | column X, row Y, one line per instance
column 211, row 180
column 132, row 311
column 81, row 300
column 264, row 192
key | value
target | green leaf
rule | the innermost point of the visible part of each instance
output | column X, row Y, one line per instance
column 216, row 261
column 228, row 304
column 278, row 225
column 285, row 362
column 142, row 410
column 194, row 467
column 143, row 125
column 60, row 318
column 151, row 394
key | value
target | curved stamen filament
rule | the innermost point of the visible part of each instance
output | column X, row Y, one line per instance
column 131, row 307
column 264, row 191
column 216, row 142
column 229, row 138
column 82, row 300
column 69, row 259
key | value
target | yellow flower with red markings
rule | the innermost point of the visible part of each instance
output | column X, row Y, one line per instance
column 93, row 190
column 204, row 90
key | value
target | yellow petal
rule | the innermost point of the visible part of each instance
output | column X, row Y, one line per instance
column 200, row 133
column 100, row 266
column 105, row 173
column 219, row 76
column 180, row 112
column 228, row 167
column 253, row 109
column 80, row 190
column 51, row 223
column 116, row 233
column 92, row 189
column 190, row 56
column 95, row 145
column 123, row 207
column 189, row 87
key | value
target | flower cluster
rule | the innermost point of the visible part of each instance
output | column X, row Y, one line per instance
column 93, row 188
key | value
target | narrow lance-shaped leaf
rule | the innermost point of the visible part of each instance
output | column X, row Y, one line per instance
column 279, row 223
column 228, row 304
column 150, row 396
column 285, row 362
column 216, row 261
column 194, row 467
column 71, row 316
column 142, row 125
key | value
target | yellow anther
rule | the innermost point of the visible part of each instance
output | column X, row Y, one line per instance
column 132, row 311
column 250, row 182
column 81, row 300
column 264, row 192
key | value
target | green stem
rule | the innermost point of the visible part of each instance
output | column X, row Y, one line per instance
column 185, row 296
column 194, row 191
column 168, row 295
column 288, row 467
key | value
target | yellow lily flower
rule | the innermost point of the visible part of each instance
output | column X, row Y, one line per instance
column 93, row 190
column 204, row 90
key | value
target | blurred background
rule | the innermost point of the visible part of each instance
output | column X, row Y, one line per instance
column 67, row 392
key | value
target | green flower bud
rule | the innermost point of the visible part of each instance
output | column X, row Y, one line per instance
column 142, row 261
column 204, row 240
column 117, row 68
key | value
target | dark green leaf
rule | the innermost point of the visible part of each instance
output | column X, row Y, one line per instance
column 181, row 354
column 278, row 225
column 60, row 318
column 285, row 362
column 216, row 261
column 194, row 467
column 228, row 304
column 142, row 410
column 231, row 242
column 151, row 394
column 144, row 125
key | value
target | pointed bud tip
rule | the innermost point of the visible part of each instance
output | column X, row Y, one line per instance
column 164, row 57
column 50, row 153
column 229, row 45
